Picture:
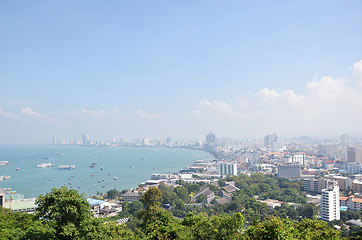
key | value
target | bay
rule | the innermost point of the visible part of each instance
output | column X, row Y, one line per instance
column 129, row 165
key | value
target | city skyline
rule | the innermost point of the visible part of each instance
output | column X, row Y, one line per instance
column 179, row 69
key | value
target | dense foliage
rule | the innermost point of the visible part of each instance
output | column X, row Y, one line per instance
column 64, row 214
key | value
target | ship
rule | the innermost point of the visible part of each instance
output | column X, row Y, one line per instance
column 115, row 178
column 45, row 165
column 4, row 163
column 66, row 167
column 4, row 177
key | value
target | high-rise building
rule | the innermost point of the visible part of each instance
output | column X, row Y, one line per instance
column 289, row 170
column 328, row 150
column 210, row 139
column 354, row 154
column 317, row 185
column 343, row 141
column 54, row 140
column 270, row 139
column 227, row 168
column 353, row 167
column 86, row 140
column 329, row 205
column 168, row 140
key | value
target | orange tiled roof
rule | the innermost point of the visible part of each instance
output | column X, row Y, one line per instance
column 343, row 198
column 357, row 200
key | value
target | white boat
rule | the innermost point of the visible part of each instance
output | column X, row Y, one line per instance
column 115, row 178
column 4, row 177
column 45, row 165
column 4, row 163
column 66, row 167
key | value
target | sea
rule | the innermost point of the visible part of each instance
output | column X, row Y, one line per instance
column 113, row 167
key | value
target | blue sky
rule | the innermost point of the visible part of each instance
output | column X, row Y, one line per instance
column 179, row 68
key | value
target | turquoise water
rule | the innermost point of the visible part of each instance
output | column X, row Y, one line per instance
column 130, row 165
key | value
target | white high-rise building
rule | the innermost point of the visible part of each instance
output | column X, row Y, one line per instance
column 329, row 205
column 227, row 168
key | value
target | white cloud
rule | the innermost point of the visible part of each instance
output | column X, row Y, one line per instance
column 327, row 105
column 215, row 109
column 357, row 72
column 93, row 112
column 30, row 113
column 5, row 114
column 141, row 113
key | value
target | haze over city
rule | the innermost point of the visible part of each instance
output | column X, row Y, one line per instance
column 179, row 69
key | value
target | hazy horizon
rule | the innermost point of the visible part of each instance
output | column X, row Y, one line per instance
column 156, row 69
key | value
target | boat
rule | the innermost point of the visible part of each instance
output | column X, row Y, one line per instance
column 61, row 154
column 4, row 163
column 66, row 167
column 102, row 168
column 115, row 178
column 92, row 166
column 45, row 165
column 4, row 177
column 17, row 169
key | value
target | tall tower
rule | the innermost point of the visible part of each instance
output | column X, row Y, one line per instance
column 85, row 139
column 210, row 138
column 329, row 205
column 354, row 154
column 270, row 139
column 343, row 141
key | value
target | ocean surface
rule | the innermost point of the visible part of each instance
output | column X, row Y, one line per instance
column 130, row 165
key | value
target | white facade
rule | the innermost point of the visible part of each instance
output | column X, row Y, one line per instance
column 289, row 170
column 329, row 205
column 227, row 168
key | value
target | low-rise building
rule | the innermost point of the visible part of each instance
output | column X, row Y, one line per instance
column 131, row 196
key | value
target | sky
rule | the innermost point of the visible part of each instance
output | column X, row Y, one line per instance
column 134, row 69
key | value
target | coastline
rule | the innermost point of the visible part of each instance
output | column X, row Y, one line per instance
column 161, row 160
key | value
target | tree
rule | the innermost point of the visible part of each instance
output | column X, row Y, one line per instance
column 113, row 193
column 68, row 212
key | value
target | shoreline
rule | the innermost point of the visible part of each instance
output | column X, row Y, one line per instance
column 172, row 160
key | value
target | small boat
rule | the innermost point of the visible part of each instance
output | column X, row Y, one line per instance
column 45, row 165
column 102, row 168
column 21, row 161
column 115, row 178
column 50, row 179
column 17, row 169
column 66, row 167
column 92, row 166
column 109, row 174
column 92, row 175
